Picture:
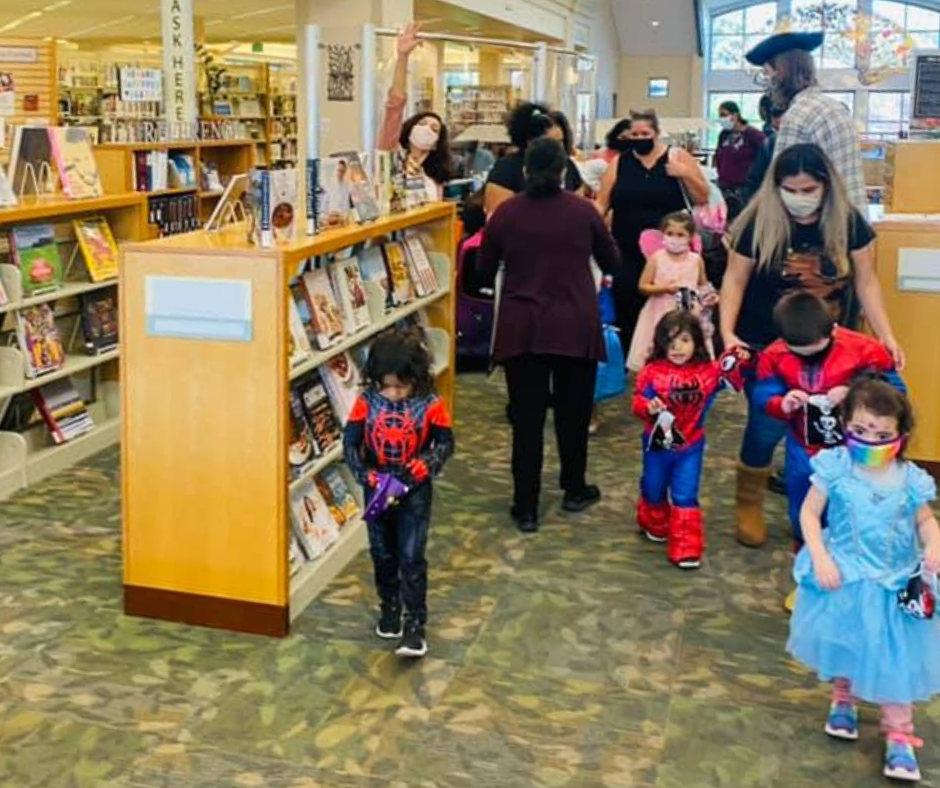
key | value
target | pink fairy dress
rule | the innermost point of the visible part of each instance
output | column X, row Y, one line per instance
column 684, row 271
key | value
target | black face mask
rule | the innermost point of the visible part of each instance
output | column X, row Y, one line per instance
column 621, row 145
column 643, row 147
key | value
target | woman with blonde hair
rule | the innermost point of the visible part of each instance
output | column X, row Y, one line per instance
column 800, row 232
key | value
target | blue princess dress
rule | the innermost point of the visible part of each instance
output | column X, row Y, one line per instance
column 859, row 631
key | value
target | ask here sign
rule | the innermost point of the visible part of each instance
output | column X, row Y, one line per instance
column 179, row 84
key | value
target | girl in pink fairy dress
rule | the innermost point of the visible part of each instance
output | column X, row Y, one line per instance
column 674, row 278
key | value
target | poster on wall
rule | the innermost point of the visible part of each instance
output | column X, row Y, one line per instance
column 140, row 84
column 7, row 95
column 342, row 75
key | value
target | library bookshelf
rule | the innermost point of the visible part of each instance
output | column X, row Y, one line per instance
column 206, row 427
column 28, row 457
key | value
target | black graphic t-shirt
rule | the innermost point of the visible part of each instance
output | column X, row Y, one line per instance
column 804, row 267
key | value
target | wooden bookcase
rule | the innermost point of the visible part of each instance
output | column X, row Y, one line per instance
column 232, row 157
column 206, row 428
column 27, row 458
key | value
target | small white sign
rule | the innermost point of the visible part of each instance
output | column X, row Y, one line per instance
column 208, row 309
column 19, row 55
column 919, row 270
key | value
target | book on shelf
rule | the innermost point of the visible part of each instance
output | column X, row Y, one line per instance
column 295, row 556
column 337, row 495
column 302, row 304
column 351, row 294
column 211, row 180
column 272, row 200
column 63, row 410
column 301, row 451
column 98, row 247
column 372, row 266
column 419, row 265
column 335, row 196
column 318, row 412
column 397, row 264
column 174, row 214
column 313, row 197
column 342, row 379
column 300, row 348
column 326, row 315
column 151, row 170
column 34, row 250
column 30, row 168
column 75, row 160
column 7, row 195
column 181, row 172
column 100, row 321
column 361, row 192
column 39, row 340
column 311, row 521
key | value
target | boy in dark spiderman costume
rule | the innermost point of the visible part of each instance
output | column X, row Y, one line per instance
column 399, row 426
column 672, row 395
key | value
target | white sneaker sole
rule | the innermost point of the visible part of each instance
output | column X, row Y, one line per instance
column 389, row 635
column 404, row 651
column 902, row 774
column 690, row 563
column 839, row 733
column 654, row 539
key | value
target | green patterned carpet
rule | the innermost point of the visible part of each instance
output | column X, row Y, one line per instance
column 576, row 657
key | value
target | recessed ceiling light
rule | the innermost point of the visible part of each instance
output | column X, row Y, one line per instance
column 54, row 6
column 655, row 23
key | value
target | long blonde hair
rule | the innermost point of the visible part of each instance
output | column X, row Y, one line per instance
column 772, row 222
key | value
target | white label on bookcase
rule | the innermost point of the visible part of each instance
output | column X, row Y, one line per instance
column 208, row 309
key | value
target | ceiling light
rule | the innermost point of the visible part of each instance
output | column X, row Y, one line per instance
column 20, row 21
column 87, row 30
column 262, row 11
column 60, row 4
column 655, row 23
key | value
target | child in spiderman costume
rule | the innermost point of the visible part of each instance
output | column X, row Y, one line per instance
column 803, row 377
column 399, row 426
column 673, row 394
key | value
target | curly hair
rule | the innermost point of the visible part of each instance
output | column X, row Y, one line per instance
column 438, row 164
column 528, row 122
column 404, row 354
column 880, row 398
column 679, row 321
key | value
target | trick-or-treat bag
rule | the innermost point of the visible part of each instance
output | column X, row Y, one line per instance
column 823, row 426
column 919, row 597
column 665, row 436
column 387, row 493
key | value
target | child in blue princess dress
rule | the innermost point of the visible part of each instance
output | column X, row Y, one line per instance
column 851, row 623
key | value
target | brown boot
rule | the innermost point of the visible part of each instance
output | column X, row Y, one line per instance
column 752, row 490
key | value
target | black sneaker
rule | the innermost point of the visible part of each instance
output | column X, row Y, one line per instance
column 585, row 499
column 527, row 522
column 412, row 643
column 777, row 484
column 389, row 624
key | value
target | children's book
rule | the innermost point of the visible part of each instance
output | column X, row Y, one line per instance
column 342, row 380
column 318, row 412
column 75, row 160
column 98, row 247
column 372, row 268
column 419, row 265
column 39, row 340
column 311, row 521
column 326, row 315
column 338, row 497
column 351, row 294
column 301, row 451
column 300, row 349
column 63, row 410
column 397, row 265
column 33, row 248
column 100, row 321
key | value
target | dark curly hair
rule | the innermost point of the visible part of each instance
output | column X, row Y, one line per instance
column 679, row 321
column 528, row 122
column 404, row 354
column 618, row 128
column 438, row 165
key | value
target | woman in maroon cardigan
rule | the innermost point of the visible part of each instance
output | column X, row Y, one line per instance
column 548, row 332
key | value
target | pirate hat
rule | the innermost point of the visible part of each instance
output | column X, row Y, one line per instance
column 779, row 43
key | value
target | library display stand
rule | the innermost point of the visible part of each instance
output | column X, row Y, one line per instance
column 30, row 456
column 206, row 422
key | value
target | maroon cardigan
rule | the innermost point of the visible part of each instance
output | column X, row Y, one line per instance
column 549, row 300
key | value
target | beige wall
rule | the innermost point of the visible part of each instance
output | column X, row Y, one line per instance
column 684, row 73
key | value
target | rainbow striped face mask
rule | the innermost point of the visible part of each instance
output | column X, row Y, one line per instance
column 874, row 455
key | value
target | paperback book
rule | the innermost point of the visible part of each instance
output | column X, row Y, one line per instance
column 301, row 451
column 326, row 315
column 318, row 413
column 100, row 321
column 299, row 296
column 75, row 160
column 39, row 340
column 342, row 380
column 351, row 293
column 299, row 343
column 34, row 249
column 98, row 247
column 63, row 410
column 312, row 523
column 419, row 265
column 339, row 498
column 372, row 267
column 397, row 265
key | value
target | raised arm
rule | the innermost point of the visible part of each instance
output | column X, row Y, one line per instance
column 408, row 41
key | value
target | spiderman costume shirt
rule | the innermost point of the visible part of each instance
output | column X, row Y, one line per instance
column 410, row 439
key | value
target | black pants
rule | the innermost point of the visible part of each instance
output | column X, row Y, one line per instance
column 628, row 301
column 397, row 542
column 570, row 382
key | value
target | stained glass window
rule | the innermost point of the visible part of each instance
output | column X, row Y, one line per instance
column 735, row 32
column 889, row 112
column 838, row 18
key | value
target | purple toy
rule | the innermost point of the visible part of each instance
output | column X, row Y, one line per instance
column 386, row 494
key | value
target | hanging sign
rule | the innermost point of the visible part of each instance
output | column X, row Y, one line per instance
column 19, row 55
column 179, row 67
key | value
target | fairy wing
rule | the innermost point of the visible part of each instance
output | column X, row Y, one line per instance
column 651, row 241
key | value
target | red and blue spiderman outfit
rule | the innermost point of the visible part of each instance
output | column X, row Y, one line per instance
column 669, row 506
column 780, row 370
column 410, row 439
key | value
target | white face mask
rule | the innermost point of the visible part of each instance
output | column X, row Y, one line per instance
column 801, row 206
column 675, row 245
column 726, row 123
column 423, row 138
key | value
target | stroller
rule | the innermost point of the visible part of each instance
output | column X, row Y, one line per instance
column 475, row 302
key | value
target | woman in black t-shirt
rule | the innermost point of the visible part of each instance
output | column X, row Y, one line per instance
column 526, row 123
column 799, row 233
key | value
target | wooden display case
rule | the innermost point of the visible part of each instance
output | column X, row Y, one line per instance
column 206, row 427
column 30, row 456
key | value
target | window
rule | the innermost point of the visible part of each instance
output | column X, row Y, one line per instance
column 461, row 79
column 746, row 101
column 889, row 112
column 847, row 97
column 658, row 88
column 891, row 20
column 838, row 19
column 734, row 33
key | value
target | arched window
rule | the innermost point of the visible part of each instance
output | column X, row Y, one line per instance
column 921, row 24
column 839, row 19
column 735, row 32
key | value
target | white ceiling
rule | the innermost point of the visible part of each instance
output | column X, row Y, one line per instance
column 136, row 20
column 674, row 35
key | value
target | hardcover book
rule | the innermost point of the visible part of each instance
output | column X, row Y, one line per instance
column 326, row 315
column 75, row 160
column 33, row 248
column 318, row 413
column 342, row 379
column 372, row 267
column 299, row 343
column 351, row 293
column 100, row 321
column 335, row 196
column 98, row 247
column 312, row 524
column 340, row 500
column 63, row 410
column 397, row 265
column 39, row 340
column 301, row 450
column 299, row 295
column 419, row 265
column 361, row 192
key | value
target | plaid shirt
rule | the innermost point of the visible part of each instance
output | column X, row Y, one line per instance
column 824, row 121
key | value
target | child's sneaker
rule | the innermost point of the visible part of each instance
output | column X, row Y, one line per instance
column 900, row 758
column 412, row 642
column 842, row 722
column 389, row 624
